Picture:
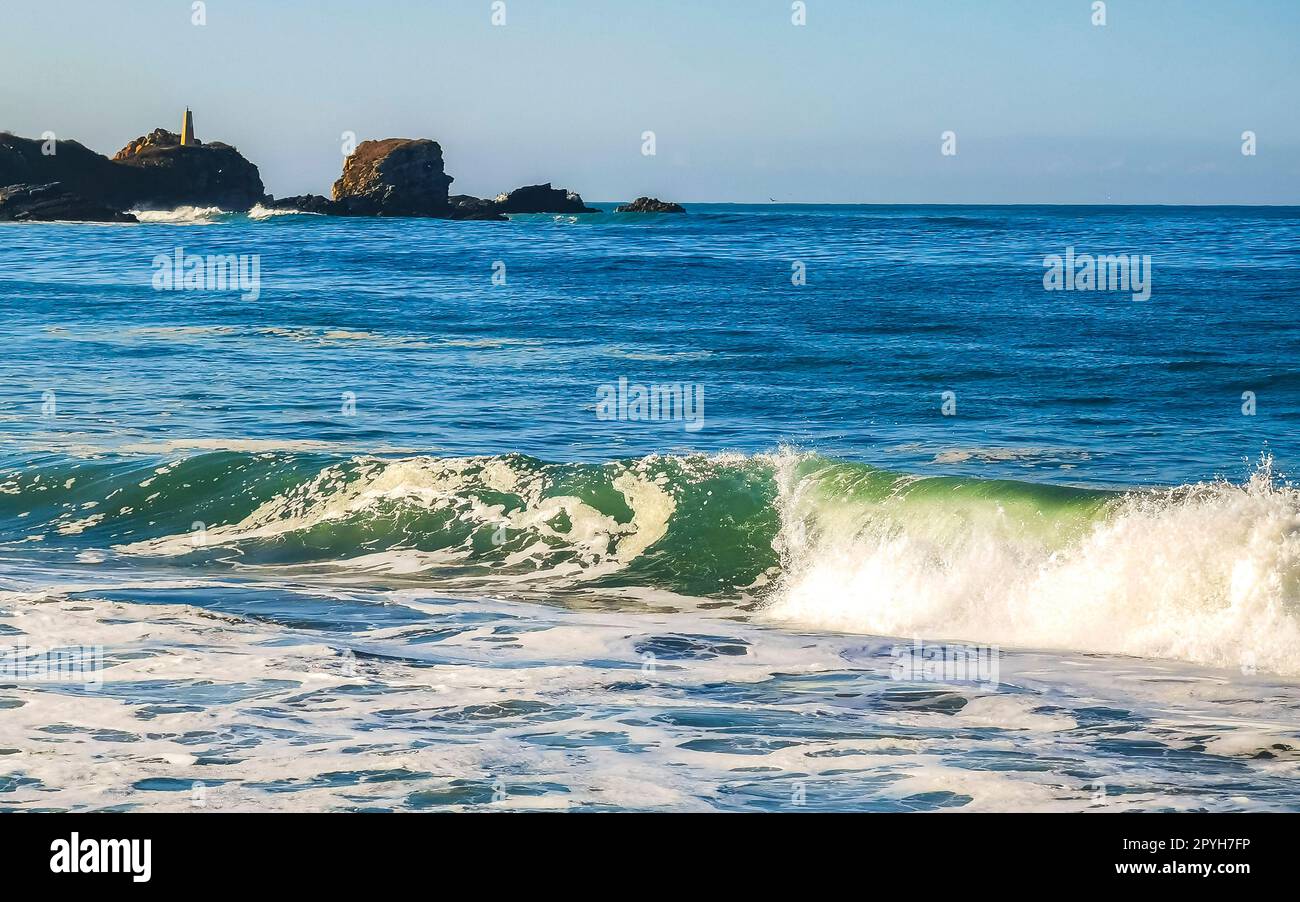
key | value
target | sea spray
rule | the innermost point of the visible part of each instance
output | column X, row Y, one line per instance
column 1204, row 573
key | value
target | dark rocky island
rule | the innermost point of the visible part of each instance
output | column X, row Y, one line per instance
column 195, row 174
column 405, row 177
column 64, row 180
column 152, row 172
column 650, row 205
column 541, row 199
column 393, row 177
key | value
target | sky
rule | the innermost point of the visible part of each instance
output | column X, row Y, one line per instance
column 745, row 106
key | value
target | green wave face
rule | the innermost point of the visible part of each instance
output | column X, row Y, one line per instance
column 855, row 498
column 697, row 525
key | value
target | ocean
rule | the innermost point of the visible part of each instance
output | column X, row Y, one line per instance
column 775, row 507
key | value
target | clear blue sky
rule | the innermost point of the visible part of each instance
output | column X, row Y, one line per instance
column 745, row 105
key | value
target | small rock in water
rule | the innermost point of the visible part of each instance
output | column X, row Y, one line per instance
column 650, row 205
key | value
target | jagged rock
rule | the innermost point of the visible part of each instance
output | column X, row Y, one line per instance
column 200, row 175
column 394, row 177
column 79, row 170
column 51, row 202
column 462, row 206
column 541, row 199
column 650, row 205
column 159, row 137
column 306, row 203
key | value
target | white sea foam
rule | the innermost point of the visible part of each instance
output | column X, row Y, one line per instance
column 180, row 215
column 592, row 543
column 519, row 706
column 259, row 212
column 1207, row 574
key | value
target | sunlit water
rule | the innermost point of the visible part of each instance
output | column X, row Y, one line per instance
column 368, row 540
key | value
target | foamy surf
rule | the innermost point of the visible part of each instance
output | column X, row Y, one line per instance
column 1208, row 573
column 192, row 215
column 259, row 212
column 588, row 710
column 180, row 215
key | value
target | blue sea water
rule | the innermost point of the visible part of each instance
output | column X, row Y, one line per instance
column 386, row 527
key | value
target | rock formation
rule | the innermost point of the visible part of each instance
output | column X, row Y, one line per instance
column 404, row 177
column 542, row 199
column 159, row 137
column 200, row 175
column 465, row 207
column 153, row 171
column 77, row 169
column 306, row 203
column 650, row 205
column 50, row 203
column 394, row 177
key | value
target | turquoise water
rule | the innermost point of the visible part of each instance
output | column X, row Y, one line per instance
column 385, row 527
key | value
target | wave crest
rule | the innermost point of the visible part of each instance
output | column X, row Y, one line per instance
column 181, row 215
column 1205, row 573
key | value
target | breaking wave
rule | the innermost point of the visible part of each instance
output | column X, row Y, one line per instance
column 259, row 212
column 1207, row 573
column 181, row 215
